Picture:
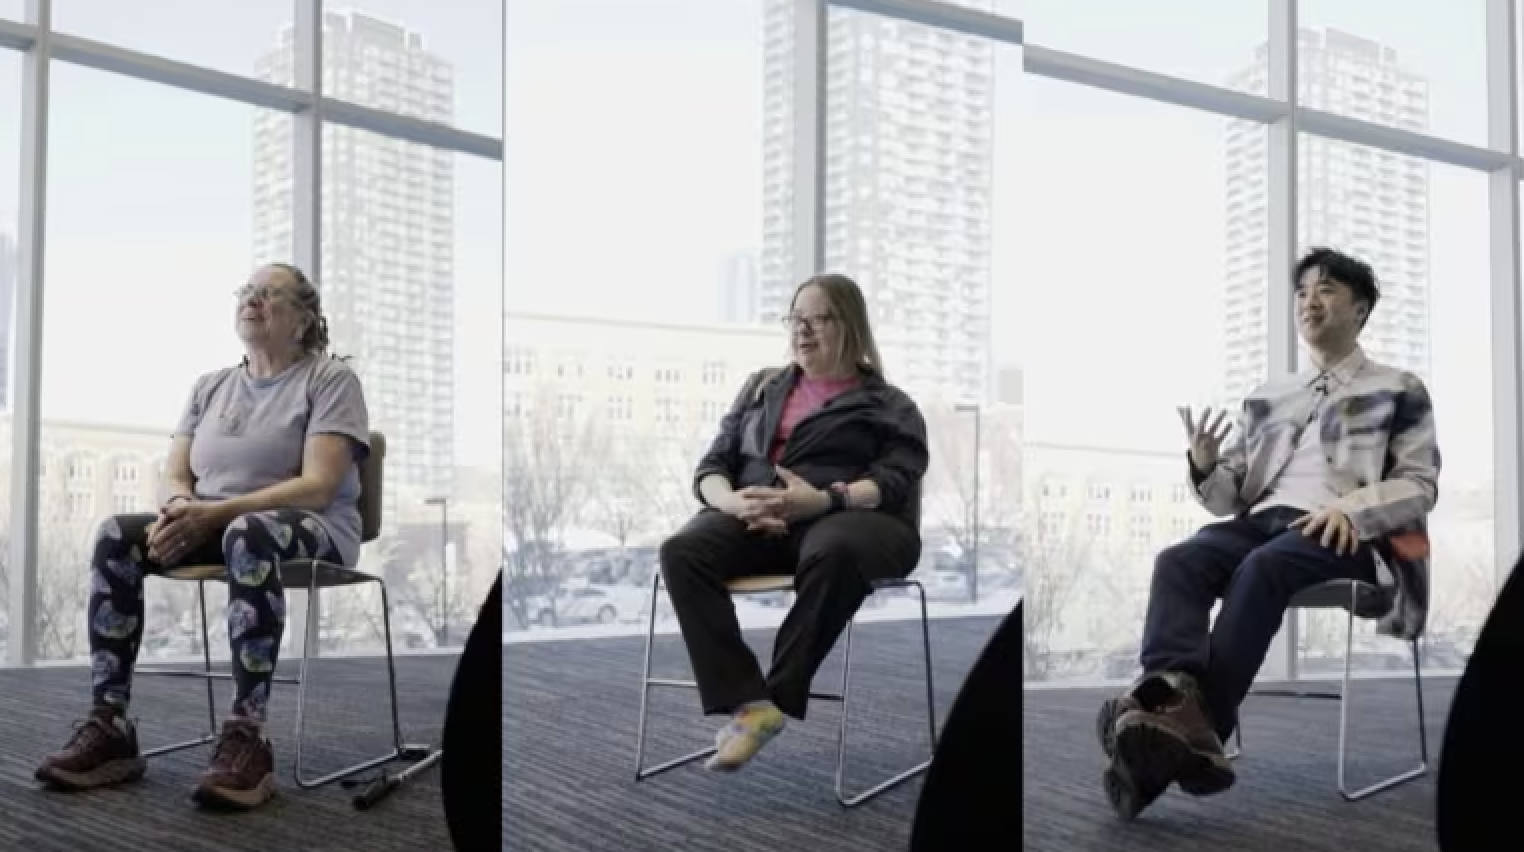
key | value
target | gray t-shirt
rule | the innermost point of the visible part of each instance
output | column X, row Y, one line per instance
column 248, row 433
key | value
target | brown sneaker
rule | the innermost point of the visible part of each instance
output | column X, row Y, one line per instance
column 102, row 752
column 1169, row 738
column 242, row 771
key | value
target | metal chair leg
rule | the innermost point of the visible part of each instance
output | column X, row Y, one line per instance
column 841, row 743
column 399, row 752
column 1423, row 740
column 646, row 682
column 1343, row 697
column 206, row 674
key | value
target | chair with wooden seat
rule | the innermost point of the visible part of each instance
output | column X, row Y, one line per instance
column 309, row 574
column 785, row 583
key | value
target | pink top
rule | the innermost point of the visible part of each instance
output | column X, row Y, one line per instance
column 807, row 396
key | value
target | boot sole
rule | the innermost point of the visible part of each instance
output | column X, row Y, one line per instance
column 1156, row 757
column 1106, row 726
column 1123, row 793
column 108, row 774
column 227, row 799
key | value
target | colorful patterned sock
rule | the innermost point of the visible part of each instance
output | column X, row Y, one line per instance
column 751, row 728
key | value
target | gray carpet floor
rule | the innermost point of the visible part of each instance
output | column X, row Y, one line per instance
column 1286, row 796
column 570, row 711
column 347, row 722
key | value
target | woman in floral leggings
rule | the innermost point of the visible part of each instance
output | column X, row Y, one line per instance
column 263, row 468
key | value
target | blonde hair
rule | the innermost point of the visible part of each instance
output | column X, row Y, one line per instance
column 850, row 310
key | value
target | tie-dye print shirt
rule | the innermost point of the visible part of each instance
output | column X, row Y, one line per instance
column 1376, row 427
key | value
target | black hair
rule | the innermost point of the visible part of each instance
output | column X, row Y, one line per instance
column 1352, row 272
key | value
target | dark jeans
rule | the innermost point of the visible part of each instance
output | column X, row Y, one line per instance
column 1255, row 565
column 833, row 560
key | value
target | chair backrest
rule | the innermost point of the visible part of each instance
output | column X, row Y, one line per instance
column 372, row 487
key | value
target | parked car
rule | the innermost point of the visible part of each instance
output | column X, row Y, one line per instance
column 587, row 605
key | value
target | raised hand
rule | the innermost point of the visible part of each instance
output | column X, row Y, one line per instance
column 1205, row 435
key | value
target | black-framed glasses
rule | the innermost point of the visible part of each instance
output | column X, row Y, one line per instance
column 807, row 321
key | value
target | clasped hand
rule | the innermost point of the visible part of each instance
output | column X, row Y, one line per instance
column 181, row 527
column 769, row 509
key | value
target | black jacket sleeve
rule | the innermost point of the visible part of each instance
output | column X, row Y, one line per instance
column 724, row 453
column 904, row 457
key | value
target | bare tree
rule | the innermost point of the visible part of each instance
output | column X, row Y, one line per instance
column 63, row 579
column 671, row 499
column 1058, row 551
column 618, row 505
column 973, row 487
column 550, row 466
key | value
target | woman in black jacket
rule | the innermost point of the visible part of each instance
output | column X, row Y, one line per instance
column 816, row 472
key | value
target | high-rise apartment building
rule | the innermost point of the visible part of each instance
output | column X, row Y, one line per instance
column 739, row 296
column 1371, row 203
column 909, row 189
column 388, row 220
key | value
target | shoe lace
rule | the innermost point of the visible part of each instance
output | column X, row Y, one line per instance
column 235, row 748
column 87, row 732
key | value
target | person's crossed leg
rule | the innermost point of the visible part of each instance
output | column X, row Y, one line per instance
column 1169, row 727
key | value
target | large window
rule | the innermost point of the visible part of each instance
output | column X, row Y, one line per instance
column 1411, row 64
column 1423, row 226
column 10, row 126
column 634, row 243
column 234, row 38
column 412, row 276
column 432, row 61
column 148, row 237
column 160, row 201
column 1160, row 37
column 1110, row 340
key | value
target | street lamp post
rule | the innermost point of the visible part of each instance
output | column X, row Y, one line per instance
column 444, row 565
column 973, row 574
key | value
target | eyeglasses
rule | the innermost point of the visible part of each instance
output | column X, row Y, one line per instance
column 262, row 292
column 810, row 322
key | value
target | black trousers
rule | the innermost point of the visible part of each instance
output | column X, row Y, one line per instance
column 833, row 560
column 1255, row 565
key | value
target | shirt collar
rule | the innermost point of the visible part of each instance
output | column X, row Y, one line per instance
column 1339, row 374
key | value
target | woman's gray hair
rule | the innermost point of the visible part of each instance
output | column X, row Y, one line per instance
column 310, row 301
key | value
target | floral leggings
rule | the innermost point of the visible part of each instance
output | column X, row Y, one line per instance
column 252, row 548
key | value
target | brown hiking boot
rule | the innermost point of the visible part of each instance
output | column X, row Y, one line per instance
column 1170, row 738
column 103, row 751
column 1123, row 791
column 1106, row 720
column 241, row 775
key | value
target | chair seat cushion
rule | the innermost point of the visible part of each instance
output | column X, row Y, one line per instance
column 757, row 585
column 294, row 573
column 197, row 572
column 1371, row 601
